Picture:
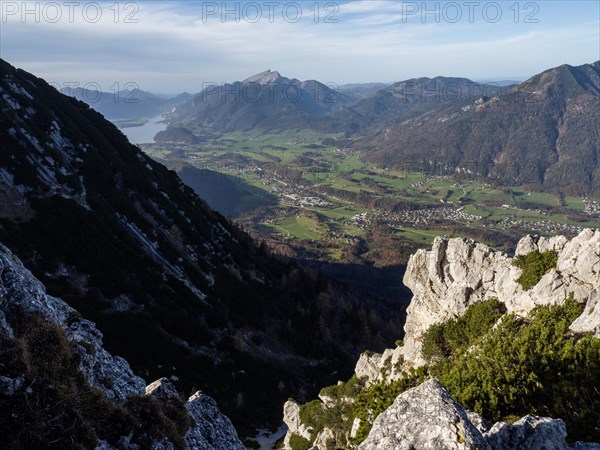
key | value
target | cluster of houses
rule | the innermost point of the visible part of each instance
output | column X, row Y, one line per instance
column 418, row 217
column 592, row 207
column 429, row 216
column 541, row 226
column 306, row 202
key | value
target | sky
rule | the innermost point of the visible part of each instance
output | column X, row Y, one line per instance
column 171, row 47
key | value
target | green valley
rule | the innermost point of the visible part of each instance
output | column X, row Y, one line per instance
column 314, row 191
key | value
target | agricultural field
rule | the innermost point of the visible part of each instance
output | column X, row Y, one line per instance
column 314, row 190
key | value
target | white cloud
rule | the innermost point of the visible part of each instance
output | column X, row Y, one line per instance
column 172, row 49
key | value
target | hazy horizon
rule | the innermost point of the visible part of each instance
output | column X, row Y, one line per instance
column 172, row 47
column 67, row 88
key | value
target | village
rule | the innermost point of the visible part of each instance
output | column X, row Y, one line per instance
column 358, row 196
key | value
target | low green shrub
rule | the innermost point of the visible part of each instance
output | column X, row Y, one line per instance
column 442, row 340
column 298, row 442
column 534, row 266
column 533, row 366
column 523, row 366
column 312, row 415
column 434, row 345
column 340, row 391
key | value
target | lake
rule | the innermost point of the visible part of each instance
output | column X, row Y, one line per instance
column 145, row 134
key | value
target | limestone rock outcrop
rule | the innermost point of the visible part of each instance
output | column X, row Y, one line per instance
column 445, row 281
column 212, row 429
column 162, row 388
column 456, row 273
column 22, row 294
column 322, row 439
column 368, row 366
column 21, row 291
column 528, row 433
column 425, row 417
column 589, row 321
column 291, row 417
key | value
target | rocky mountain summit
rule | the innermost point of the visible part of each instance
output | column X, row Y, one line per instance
column 425, row 417
column 394, row 401
column 25, row 310
column 456, row 273
column 266, row 77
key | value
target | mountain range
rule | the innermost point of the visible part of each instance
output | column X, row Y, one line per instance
column 407, row 99
column 359, row 91
column 133, row 103
column 542, row 133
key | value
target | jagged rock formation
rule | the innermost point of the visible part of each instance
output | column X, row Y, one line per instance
column 368, row 366
column 22, row 295
column 211, row 429
column 528, row 433
column 20, row 290
column 456, row 273
column 445, row 281
column 291, row 417
column 589, row 321
column 425, row 417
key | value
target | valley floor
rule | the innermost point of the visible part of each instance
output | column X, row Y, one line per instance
column 313, row 192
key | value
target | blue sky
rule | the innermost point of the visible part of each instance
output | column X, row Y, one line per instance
column 174, row 46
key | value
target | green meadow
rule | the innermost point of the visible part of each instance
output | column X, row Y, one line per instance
column 308, row 163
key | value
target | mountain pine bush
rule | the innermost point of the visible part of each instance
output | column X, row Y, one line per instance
column 534, row 266
column 497, row 364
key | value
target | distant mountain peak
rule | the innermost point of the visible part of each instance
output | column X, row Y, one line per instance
column 267, row 100
column 266, row 77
